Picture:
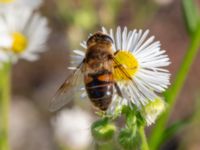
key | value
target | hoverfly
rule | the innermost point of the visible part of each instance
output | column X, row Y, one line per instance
column 97, row 69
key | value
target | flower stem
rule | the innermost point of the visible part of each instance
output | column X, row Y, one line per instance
column 175, row 89
column 144, row 144
column 4, row 106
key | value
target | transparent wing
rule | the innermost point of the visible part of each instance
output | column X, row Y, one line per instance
column 65, row 93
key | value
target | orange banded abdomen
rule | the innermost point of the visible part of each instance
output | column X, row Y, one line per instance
column 99, row 87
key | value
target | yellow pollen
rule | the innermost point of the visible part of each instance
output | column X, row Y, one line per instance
column 19, row 42
column 127, row 65
column 6, row 1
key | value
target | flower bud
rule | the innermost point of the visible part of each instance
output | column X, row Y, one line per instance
column 129, row 139
column 152, row 110
column 103, row 130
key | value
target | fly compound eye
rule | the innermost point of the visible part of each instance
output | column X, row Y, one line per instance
column 107, row 38
column 99, row 37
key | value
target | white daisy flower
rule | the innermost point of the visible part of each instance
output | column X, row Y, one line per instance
column 142, row 59
column 72, row 127
column 22, row 34
column 31, row 4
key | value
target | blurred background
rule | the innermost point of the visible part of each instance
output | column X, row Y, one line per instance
column 33, row 127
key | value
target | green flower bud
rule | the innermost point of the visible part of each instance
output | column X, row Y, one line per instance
column 103, row 130
column 152, row 110
column 129, row 139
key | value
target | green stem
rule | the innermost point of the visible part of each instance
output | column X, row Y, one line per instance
column 173, row 92
column 4, row 106
column 144, row 145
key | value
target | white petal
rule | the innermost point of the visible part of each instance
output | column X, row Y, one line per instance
column 83, row 44
column 124, row 39
column 29, row 56
column 104, row 30
column 81, row 53
column 118, row 38
column 72, row 68
column 114, row 42
column 5, row 41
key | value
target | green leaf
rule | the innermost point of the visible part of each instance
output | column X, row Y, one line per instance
column 191, row 15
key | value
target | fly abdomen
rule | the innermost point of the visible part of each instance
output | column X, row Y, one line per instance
column 100, row 89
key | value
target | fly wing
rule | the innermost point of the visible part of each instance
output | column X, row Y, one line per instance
column 65, row 93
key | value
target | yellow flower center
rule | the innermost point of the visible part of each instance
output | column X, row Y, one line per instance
column 126, row 67
column 6, row 1
column 19, row 42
